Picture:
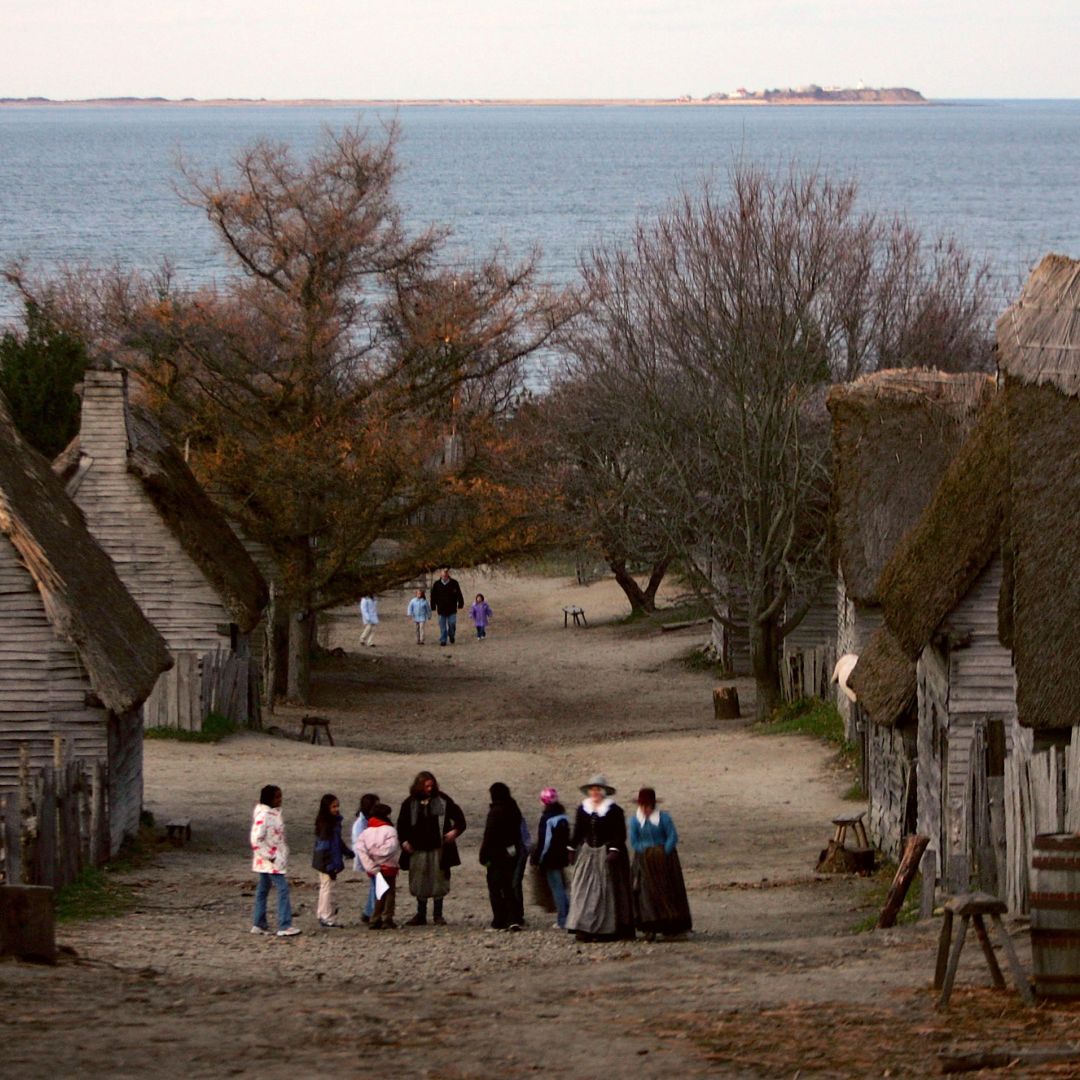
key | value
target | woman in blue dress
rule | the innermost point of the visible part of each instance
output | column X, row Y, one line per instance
column 656, row 878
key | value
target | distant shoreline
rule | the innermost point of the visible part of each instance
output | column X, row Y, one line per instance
column 405, row 103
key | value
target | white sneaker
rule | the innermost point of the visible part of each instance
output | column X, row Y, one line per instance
column 260, row 930
column 290, row 931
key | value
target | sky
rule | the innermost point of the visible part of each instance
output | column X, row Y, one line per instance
column 533, row 48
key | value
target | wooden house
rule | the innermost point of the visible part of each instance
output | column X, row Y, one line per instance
column 172, row 548
column 981, row 607
column 77, row 656
column 894, row 434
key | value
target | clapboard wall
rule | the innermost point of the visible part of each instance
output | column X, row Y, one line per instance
column 45, row 692
column 161, row 577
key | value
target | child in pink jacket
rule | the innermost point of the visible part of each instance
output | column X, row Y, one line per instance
column 379, row 851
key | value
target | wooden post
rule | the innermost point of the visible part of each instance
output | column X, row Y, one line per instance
column 46, row 819
column 70, row 847
column 100, row 844
column 12, row 838
column 914, row 847
column 726, row 703
column 27, row 923
column 929, row 884
column 27, row 809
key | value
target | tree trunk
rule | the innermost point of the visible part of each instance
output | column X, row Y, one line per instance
column 765, row 663
column 640, row 599
column 301, row 622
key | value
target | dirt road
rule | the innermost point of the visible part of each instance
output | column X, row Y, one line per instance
column 772, row 981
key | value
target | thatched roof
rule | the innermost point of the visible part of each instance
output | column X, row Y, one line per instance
column 1044, row 553
column 192, row 517
column 84, row 599
column 1038, row 338
column 935, row 565
column 884, row 679
column 894, row 434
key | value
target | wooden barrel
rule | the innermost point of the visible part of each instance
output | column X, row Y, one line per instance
column 1055, row 915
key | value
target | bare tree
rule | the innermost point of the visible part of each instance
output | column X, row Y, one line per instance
column 716, row 332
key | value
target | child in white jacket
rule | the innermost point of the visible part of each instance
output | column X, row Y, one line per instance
column 270, row 860
column 379, row 851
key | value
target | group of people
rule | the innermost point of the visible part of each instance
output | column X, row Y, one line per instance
column 446, row 601
column 603, row 882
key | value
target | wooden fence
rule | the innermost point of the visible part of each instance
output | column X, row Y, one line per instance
column 56, row 823
column 218, row 682
column 806, row 673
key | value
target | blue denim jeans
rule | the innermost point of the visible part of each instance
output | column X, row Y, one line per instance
column 558, row 892
column 447, row 628
column 369, row 907
column 284, row 904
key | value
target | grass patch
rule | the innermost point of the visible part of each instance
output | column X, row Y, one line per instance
column 215, row 728
column 879, row 891
column 820, row 720
column 95, row 893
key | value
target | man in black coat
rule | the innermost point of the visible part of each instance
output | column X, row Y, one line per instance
column 447, row 601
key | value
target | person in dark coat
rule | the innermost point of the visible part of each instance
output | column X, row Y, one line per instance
column 551, row 853
column 329, row 856
column 600, row 908
column 500, row 853
column 447, row 600
column 429, row 824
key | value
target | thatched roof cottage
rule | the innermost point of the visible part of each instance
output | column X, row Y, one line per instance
column 77, row 656
column 981, row 607
column 894, row 434
column 171, row 545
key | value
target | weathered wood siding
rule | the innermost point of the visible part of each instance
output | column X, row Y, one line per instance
column 933, row 748
column 890, row 755
column 809, row 652
column 44, row 690
column 125, row 776
column 164, row 581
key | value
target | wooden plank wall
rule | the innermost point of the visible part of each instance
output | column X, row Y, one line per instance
column 159, row 574
column 933, row 741
column 44, row 690
column 889, row 771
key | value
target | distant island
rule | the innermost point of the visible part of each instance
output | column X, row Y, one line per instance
column 802, row 95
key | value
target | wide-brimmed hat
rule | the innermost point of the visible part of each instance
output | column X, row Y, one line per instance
column 597, row 780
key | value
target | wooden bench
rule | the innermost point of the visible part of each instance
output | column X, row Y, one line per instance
column 178, row 831
column 575, row 613
column 318, row 724
column 971, row 907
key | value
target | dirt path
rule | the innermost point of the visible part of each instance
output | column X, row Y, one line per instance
column 772, row 980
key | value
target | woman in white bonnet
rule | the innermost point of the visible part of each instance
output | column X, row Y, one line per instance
column 600, row 908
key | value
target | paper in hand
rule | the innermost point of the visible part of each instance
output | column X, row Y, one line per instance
column 382, row 886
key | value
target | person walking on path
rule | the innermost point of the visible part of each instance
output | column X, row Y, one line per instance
column 420, row 612
column 428, row 826
column 480, row 613
column 447, row 600
column 369, row 612
column 600, row 906
column 270, row 860
column 329, row 856
column 656, row 877
column 500, row 852
column 551, row 854
column 379, row 850
column 363, row 811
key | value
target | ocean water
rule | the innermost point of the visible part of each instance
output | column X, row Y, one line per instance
column 98, row 184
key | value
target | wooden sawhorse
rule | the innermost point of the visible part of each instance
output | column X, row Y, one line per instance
column 971, row 907
column 317, row 724
column 855, row 824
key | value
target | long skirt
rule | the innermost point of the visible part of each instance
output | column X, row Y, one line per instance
column 426, row 877
column 660, row 903
column 600, row 896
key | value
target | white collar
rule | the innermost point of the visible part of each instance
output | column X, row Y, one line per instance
column 652, row 819
column 605, row 806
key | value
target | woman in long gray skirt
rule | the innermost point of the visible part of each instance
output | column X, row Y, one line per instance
column 656, row 877
column 600, row 908
column 428, row 827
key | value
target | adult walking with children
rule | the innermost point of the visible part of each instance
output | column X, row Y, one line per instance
column 658, row 889
column 600, row 907
column 447, row 600
column 428, row 826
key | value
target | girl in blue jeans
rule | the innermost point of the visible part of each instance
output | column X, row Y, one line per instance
column 270, row 860
column 551, row 853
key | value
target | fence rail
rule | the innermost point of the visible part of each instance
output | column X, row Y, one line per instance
column 806, row 673
column 56, row 823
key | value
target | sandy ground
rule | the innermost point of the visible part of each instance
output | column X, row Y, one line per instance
column 772, row 983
